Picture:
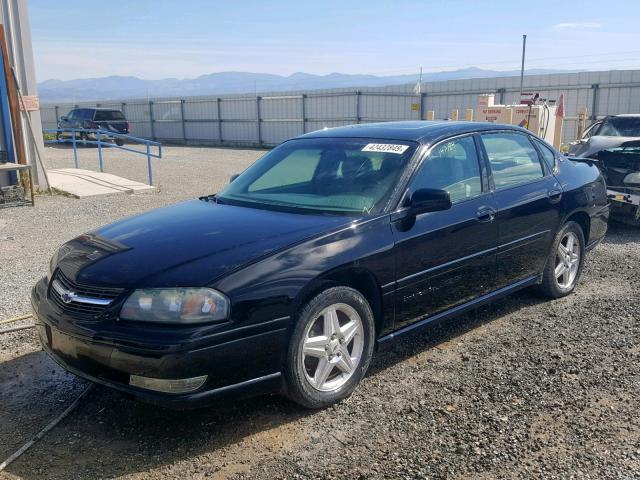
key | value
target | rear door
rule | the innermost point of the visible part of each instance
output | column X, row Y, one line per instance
column 528, row 198
column 446, row 258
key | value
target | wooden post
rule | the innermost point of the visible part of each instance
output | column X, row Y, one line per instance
column 582, row 117
column 431, row 115
column 557, row 133
column 468, row 115
column 14, row 108
column 454, row 114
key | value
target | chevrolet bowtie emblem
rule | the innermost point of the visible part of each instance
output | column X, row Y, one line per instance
column 67, row 296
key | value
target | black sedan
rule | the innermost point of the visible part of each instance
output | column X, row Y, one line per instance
column 330, row 245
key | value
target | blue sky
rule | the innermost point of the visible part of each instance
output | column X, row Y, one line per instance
column 155, row 39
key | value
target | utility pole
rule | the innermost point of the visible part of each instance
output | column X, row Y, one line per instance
column 524, row 48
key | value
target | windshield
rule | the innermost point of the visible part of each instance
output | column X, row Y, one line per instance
column 102, row 115
column 620, row 127
column 326, row 175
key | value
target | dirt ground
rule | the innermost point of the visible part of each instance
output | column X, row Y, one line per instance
column 524, row 388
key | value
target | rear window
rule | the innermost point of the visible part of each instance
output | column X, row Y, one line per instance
column 102, row 115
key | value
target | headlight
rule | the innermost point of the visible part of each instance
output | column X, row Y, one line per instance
column 632, row 179
column 176, row 305
column 53, row 263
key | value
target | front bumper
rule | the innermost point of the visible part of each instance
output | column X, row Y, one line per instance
column 245, row 363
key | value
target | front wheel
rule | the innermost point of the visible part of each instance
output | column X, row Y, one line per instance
column 564, row 265
column 330, row 348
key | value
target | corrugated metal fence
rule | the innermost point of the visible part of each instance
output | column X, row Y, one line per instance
column 269, row 118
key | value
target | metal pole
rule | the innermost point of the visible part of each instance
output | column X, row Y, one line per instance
column 594, row 102
column 422, row 104
column 149, row 164
column 524, row 48
column 303, row 110
column 99, row 151
column 184, row 129
column 258, row 120
column 357, row 106
column 75, row 148
column 218, row 110
column 57, row 116
column 153, row 131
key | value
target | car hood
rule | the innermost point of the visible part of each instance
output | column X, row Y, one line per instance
column 599, row 143
column 187, row 244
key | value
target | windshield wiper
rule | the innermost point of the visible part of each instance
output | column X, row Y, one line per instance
column 213, row 198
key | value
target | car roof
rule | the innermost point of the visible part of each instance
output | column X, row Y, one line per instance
column 628, row 115
column 99, row 108
column 421, row 131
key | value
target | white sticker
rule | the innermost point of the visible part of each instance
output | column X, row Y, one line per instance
column 385, row 148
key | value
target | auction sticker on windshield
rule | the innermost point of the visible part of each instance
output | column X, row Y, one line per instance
column 385, row 148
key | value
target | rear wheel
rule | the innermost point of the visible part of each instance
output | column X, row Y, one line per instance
column 330, row 349
column 119, row 142
column 564, row 265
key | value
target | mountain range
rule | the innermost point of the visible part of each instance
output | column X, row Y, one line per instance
column 126, row 87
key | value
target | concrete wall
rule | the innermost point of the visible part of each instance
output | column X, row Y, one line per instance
column 271, row 117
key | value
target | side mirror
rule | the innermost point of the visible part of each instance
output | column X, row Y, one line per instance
column 429, row 200
column 233, row 177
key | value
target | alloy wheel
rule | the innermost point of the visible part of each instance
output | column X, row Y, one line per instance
column 567, row 260
column 332, row 347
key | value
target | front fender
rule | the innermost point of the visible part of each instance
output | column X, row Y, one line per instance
column 269, row 288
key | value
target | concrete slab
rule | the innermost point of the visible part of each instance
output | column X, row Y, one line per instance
column 87, row 183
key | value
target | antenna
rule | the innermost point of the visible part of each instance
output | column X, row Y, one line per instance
column 524, row 47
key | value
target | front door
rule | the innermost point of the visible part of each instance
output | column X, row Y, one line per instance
column 446, row 258
column 528, row 196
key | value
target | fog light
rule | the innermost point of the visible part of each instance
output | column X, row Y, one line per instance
column 178, row 385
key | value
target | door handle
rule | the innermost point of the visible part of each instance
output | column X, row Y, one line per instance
column 554, row 195
column 486, row 214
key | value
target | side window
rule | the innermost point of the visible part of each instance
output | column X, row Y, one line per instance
column 513, row 159
column 452, row 166
column 591, row 130
column 548, row 155
column 72, row 115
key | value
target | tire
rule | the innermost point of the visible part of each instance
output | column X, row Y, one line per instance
column 562, row 270
column 317, row 372
column 119, row 142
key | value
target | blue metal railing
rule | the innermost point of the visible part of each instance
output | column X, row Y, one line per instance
column 104, row 138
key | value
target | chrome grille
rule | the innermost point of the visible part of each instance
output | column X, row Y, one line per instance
column 80, row 300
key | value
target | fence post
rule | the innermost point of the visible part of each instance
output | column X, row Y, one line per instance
column 75, row 147
column 149, row 164
column 357, row 106
column 99, row 151
column 184, row 127
column 258, row 120
column 501, row 92
column 303, row 110
column 57, row 116
column 219, row 110
column 423, row 96
column 153, row 130
column 594, row 102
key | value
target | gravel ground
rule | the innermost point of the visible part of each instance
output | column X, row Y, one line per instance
column 524, row 388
